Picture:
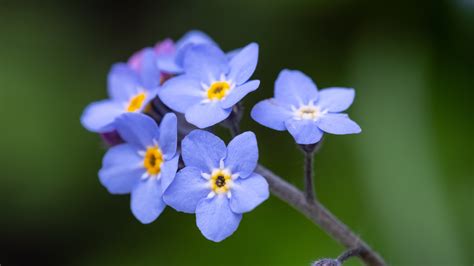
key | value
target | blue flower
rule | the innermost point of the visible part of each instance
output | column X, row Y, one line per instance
column 218, row 183
column 144, row 165
column 129, row 91
column 212, row 83
column 163, row 49
column 306, row 113
column 173, row 62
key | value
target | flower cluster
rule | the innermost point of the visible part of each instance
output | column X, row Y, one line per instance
column 198, row 84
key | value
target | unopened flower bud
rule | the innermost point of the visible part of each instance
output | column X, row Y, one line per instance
column 326, row 262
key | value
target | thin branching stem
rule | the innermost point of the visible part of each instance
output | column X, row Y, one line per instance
column 306, row 204
column 318, row 214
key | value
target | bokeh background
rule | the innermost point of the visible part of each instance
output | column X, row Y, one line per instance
column 406, row 184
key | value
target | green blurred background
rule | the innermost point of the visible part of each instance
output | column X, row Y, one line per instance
column 405, row 184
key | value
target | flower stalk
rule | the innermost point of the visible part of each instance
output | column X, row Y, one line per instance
column 309, row 151
column 309, row 184
column 307, row 204
column 319, row 215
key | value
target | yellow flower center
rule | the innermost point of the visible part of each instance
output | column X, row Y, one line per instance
column 218, row 90
column 136, row 102
column 153, row 160
column 220, row 181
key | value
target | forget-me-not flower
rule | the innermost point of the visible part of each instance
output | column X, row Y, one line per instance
column 218, row 183
column 306, row 113
column 172, row 62
column 129, row 91
column 212, row 83
column 162, row 49
column 144, row 165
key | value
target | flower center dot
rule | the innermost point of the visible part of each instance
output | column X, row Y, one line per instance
column 136, row 102
column 220, row 181
column 153, row 160
column 218, row 90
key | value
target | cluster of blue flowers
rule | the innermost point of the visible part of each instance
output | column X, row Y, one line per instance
column 199, row 85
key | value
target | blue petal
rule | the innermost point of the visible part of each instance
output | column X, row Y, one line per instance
column 167, row 63
column 203, row 150
column 233, row 53
column 338, row 124
column 304, row 131
column 180, row 93
column 205, row 115
column 100, row 116
column 168, row 135
column 189, row 40
column 215, row 219
column 138, row 129
column 295, row 88
column 248, row 193
column 121, row 169
column 146, row 201
column 186, row 190
column 150, row 95
column 336, row 99
column 242, row 154
column 243, row 64
column 205, row 62
column 149, row 72
column 123, row 82
column 194, row 37
column 168, row 171
column 239, row 92
column 271, row 113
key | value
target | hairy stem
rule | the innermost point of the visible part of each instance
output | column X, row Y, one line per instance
column 306, row 204
column 317, row 213
column 309, row 150
column 308, row 177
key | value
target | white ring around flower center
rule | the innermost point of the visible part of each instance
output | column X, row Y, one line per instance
column 220, row 181
column 217, row 89
column 151, row 171
column 307, row 112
